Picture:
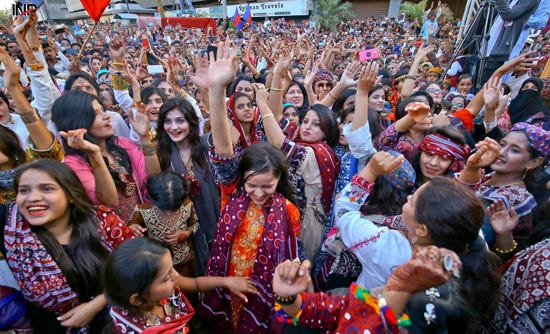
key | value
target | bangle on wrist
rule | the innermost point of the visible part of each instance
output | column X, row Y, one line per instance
column 507, row 251
column 149, row 150
column 29, row 116
column 281, row 315
column 285, row 300
column 117, row 64
column 267, row 116
column 490, row 125
column 330, row 94
column 276, row 89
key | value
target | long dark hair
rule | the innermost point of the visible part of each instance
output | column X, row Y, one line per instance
column 327, row 123
column 454, row 215
column 338, row 105
column 198, row 151
column 74, row 110
column 131, row 269
column 10, row 146
column 263, row 158
column 146, row 93
column 83, row 268
column 385, row 199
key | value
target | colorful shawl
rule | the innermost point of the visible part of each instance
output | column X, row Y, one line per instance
column 41, row 280
column 176, row 322
column 329, row 167
column 257, row 134
column 277, row 244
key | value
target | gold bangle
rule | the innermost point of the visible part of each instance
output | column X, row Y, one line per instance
column 29, row 116
column 196, row 285
column 117, row 64
column 119, row 83
column 267, row 116
column 507, row 251
column 276, row 89
column 149, row 150
column 329, row 94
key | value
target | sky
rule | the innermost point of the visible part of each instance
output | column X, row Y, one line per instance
column 5, row 4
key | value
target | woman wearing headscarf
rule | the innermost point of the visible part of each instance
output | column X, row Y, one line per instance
column 528, row 102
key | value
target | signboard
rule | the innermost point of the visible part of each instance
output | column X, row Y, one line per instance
column 264, row 9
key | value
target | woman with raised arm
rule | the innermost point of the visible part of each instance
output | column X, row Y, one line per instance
column 258, row 225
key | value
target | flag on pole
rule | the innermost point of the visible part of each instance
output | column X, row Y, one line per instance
column 237, row 22
column 95, row 8
column 248, row 14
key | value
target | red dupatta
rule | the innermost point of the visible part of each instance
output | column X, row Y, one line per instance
column 329, row 167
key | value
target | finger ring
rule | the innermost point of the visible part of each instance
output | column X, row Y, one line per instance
column 297, row 260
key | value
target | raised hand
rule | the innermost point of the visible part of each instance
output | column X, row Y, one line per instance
column 502, row 220
column 429, row 266
column 368, row 78
column 75, row 139
column 222, row 70
column 381, row 163
column 12, row 71
column 308, row 80
column 351, row 71
column 117, row 48
column 491, row 92
column 418, row 111
column 291, row 278
column 200, row 77
column 140, row 121
column 488, row 151
column 261, row 94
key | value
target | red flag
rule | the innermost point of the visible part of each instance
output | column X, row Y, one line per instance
column 95, row 8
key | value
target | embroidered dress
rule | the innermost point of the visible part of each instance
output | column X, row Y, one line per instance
column 525, row 297
column 313, row 172
column 38, row 275
column 147, row 216
column 391, row 140
column 250, row 241
column 178, row 313
column 348, row 167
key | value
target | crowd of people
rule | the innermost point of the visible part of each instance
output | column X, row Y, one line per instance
column 270, row 179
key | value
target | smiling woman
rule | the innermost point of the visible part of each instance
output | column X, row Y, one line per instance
column 90, row 141
column 54, row 234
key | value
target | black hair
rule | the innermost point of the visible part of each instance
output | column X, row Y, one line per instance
column 83, row 267
column 233, row 86
column 167, row 190
column 198, row 151
column 263, row 158
column 124, row 280
column 148, row 91
column 10, row 146
column 338, row 105
column 456, row 227
column 72, row 78
column 74, row 110
column 415, row 97
column 385, row 199
column 327, row 123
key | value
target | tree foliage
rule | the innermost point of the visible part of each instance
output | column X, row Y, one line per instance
column 332, row 12
column 414, row 10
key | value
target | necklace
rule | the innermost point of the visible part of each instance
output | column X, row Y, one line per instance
column 170, row 219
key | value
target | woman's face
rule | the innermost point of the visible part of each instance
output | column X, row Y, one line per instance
column 457, row 103
column 350, row 101
column 101, row 127
column 167, row 89
column 154, row 102
column 408, row 217
column 176, row 126
column 245, row 87
column 106, row 98
column 392, row 69
column 244, row 109
column 432, row 165
column 310, row 130
column 339, row 69
column 530, row 86
column 84, row 85
column 342, row 139
column 291, row 114
column 260, row 187
column 41, row 200
column 4, row 112
column 435, row 92
column 432, row 77
column 163, row 285
column 322, row 88
column 201, row 103
column 377, row 100
column 294, row 95
column 514, row 155
column 464, row 86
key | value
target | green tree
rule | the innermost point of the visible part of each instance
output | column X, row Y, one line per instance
column 332, row 12
column 414, row 10
column 4, row 17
